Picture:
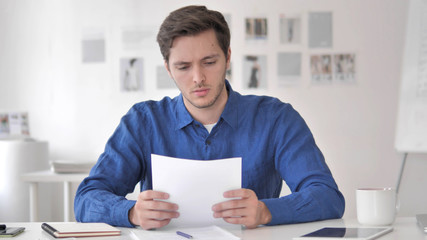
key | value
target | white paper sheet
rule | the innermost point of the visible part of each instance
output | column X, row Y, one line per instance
column 205, row 233
column 195, row 185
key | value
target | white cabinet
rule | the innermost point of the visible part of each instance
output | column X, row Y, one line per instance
column 18, row 157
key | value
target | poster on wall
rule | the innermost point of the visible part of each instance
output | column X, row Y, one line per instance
column 290, row 29
column 344, row 68
column 320, row 30
column 93, row 45
column 14, row 125
column 137, row 38
column 255, row 71
column 4, row 124
column 321, row 69
column 131, row 74
column 256, row 29
column 288, row 68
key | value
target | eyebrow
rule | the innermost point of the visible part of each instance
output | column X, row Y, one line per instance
column 210, row 57
column 203, row 59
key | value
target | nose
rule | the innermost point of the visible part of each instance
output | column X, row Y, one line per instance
column 198, row 75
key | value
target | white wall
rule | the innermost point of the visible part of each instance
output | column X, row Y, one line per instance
column 77, row 106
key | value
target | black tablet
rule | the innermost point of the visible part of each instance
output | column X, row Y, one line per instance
column 357, row 233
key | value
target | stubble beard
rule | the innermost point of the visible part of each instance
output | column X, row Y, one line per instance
column 213, row 101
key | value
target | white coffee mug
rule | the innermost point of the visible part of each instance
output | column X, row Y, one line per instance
column 376, row 206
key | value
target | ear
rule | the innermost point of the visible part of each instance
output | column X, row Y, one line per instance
column 228, row 57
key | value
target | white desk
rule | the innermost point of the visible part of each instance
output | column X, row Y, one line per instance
column 48, row 176
column 404, row 229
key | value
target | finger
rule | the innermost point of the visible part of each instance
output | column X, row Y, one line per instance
column 152, row 224
column 235, row 220
column 160, row 215
column 237, row 212
column 242, row 193
column 241, row 221
column 150, row 194
column 159, row 205
column 236, row 203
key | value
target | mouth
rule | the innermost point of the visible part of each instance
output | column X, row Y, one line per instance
column 201, row 92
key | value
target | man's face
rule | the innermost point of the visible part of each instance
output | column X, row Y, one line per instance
column 198, row 65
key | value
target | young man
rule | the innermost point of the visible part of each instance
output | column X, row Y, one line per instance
column 209, row 120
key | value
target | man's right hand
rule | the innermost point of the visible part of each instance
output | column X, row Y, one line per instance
column 150, row 212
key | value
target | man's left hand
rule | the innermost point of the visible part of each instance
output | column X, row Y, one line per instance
column 246, row 210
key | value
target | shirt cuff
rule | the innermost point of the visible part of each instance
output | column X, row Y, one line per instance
column 275, row 207
column 121, row 213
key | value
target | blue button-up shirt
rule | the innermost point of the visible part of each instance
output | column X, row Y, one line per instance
column 271, row 137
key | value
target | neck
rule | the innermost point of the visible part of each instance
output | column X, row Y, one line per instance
column 209, row 115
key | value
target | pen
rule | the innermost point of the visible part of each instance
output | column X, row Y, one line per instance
column 184, row 234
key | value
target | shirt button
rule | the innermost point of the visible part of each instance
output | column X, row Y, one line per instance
column 208, row 142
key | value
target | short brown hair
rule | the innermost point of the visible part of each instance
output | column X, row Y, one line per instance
column 189, row 21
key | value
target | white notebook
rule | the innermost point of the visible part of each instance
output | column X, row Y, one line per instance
column 77, row 229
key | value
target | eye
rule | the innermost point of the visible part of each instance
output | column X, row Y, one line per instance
column 182, row 67
column 210, row 62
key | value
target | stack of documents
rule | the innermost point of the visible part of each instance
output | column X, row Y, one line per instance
column 67, row 166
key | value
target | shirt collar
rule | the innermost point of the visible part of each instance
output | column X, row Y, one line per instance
column 231, row 107
column 183, row 117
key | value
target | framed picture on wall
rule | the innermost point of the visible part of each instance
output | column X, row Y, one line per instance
column 131, row 74
column 93, row 45
column 255, row 71
column 290, row 29
column 289, row 68
column 256, row 29
column 4, row 124
column 14, row 125
column 321, row 69
column 344, row 68
column 320, row 30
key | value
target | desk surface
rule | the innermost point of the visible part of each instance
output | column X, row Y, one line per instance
column 404, row 228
